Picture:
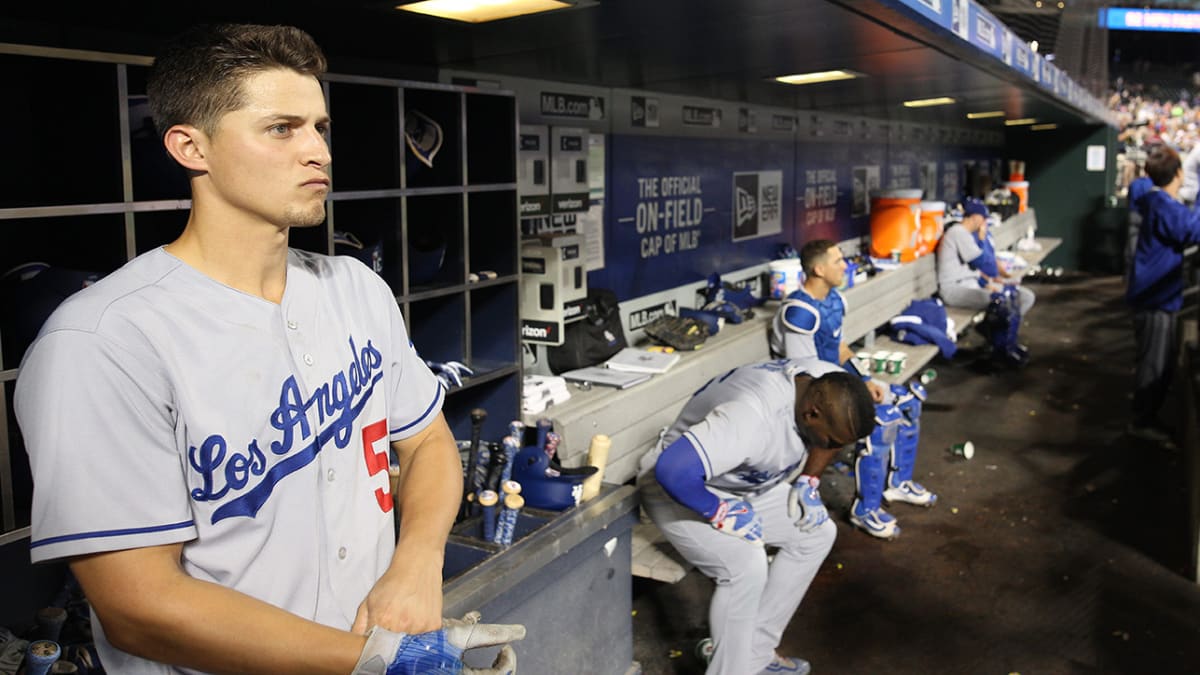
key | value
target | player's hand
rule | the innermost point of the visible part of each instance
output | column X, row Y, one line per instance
column 805, row 505
column 440, row 651
column 407, row 600
column 737, row 518
column 876, row 390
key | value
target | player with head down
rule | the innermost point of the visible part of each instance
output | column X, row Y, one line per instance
column 231, row 404
column 809, row 324
column 737, row 470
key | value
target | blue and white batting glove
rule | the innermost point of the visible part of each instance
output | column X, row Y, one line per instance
column 804, row 504
column 439, row 652
column 737, row 518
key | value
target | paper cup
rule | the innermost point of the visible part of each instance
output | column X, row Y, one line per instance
column 965, row 450
column 862, row 361
column 928, row 376
column 879, row 361
column 895, row 363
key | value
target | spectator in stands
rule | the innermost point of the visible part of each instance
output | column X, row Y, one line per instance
column 1155, row 288
column 1191, row 177
column 962, row 284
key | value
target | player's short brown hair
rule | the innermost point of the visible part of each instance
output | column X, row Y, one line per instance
column 813, row 253
column 198, row 77
column 1162, row 164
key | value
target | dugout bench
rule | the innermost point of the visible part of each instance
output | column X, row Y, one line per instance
column 633, row 418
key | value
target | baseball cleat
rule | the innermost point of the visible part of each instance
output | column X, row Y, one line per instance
column 788, row 664
column 910, row 492
column 875, row 522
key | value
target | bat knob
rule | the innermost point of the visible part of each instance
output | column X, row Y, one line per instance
column 478, row 415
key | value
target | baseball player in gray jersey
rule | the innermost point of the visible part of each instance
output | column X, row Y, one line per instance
column 209, row 426
column 738, row 469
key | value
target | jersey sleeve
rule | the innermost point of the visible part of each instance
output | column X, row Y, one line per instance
column 416, row 396
column 800, row 321
column 99, row 425
column 728, row 436
column 966, row 246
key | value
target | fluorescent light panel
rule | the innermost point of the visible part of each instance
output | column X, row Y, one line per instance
column 1043, row 127
column 1019, row 122
column 985, row 115
column 928, row 102
column 479, row 11
column 822, row 76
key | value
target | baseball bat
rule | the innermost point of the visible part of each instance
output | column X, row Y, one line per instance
column 506, row 526
column 512, row 445
column 478, row 415
column 543, row 428
column 597, row 457
column 487, row 500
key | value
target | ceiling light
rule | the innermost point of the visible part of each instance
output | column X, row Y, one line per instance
column 479, row 11
column 926, row 102
column 814, row 78
column 1019, row 122
column 985, row 115
column 1043, row 127
column 1038, row 4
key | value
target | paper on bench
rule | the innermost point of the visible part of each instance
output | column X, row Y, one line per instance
column 633, row 360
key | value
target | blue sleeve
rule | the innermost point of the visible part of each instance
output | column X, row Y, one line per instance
column 1185, row 230
column 681, row 474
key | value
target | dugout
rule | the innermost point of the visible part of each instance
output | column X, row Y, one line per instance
column 671, row 108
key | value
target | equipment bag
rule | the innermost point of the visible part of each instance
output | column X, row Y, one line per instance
column 593, row 339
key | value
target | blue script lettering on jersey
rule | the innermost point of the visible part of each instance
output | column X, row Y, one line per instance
column 337, row 402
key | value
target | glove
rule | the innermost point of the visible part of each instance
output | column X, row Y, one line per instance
column 439, row 652
column 805, row 505
column 737, row 518
column 449, row 373
column 682, row 333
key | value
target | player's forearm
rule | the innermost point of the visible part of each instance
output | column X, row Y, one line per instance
column 429, row 493
column 192, row 623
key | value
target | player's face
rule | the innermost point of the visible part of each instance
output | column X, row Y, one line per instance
column 270, row 159
column 833, row 270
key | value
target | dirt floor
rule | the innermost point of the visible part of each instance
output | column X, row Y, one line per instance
column 1061, row 547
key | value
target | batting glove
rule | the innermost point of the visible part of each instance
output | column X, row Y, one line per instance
column 804, row 504
column 737, row 518
column 439, row 652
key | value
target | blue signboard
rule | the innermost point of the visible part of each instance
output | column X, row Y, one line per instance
column 679, row 209
column 1150, row 19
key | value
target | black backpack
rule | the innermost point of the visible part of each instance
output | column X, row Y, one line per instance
column 593, row 339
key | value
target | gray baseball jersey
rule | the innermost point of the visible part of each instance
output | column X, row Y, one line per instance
column 160, row 406
column 743, row 425
column 957, row 248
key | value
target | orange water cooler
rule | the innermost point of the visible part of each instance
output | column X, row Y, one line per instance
column 933, row 216
column 1020, row 189
column 895, row 223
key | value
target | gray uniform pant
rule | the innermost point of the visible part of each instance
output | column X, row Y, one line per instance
column 971, row 296
column 1154, row 339
column 754, row 600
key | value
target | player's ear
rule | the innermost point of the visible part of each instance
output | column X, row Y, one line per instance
column 187, row 145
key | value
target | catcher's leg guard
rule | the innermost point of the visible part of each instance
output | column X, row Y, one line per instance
column 1003, row 325
column 870, row 476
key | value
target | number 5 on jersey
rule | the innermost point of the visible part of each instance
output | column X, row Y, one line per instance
column 378, row 461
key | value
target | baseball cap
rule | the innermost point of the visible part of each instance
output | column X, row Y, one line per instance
column 974, row 207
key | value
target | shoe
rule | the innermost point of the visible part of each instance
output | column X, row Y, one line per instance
column 910, row 492
column 877, row 523
column 788, row 664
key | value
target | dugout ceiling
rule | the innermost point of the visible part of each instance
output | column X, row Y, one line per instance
column 716, row 49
